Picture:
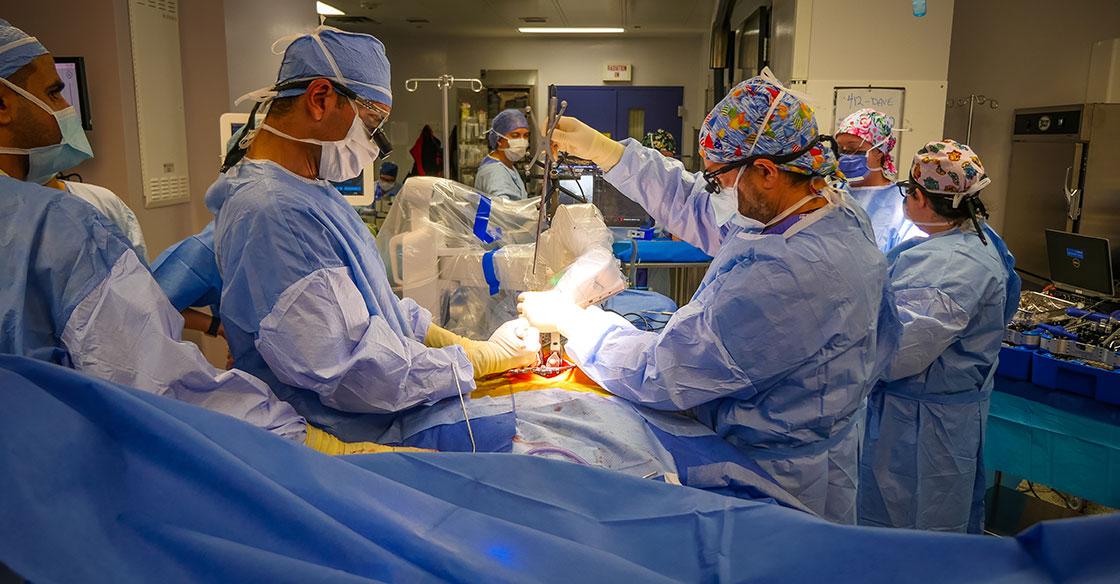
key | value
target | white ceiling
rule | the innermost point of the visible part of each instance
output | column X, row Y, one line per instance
column 503, row 17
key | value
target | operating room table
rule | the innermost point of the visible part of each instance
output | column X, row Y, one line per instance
column 102, row 483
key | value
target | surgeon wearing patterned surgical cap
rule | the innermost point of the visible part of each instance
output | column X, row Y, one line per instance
column 782, row 342
column 866, row 140
column 922, row 465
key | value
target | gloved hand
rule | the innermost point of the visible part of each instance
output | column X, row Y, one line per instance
column 579, row 139
column 548, row 311
column 514, row 344
column 327, row 444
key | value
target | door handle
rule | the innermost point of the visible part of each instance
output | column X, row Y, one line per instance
column 1073, row 197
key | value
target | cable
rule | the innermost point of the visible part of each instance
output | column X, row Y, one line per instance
column 564, row 160
column 463, row 402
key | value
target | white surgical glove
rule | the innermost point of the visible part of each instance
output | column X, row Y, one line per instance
column 516, row 337
column 548, row 311
column 579, row 139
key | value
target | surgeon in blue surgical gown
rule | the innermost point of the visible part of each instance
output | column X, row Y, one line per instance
column 782, row 342
column 306, row 302
column 923, row 464
column 72, row 289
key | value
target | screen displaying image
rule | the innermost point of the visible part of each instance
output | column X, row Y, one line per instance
column 68, row 72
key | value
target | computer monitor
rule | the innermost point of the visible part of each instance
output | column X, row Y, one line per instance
column 578, row 180
column 72, row 71
column 1080, row 263
column 358, row 191
column 617, row 210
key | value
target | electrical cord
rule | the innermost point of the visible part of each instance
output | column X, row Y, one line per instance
column 463, row 402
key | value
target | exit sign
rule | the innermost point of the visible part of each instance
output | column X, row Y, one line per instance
column 617, row 72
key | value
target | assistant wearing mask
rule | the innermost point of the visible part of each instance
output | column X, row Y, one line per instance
column 387, row 186
column 956, row 291
column 866, row 140
column 306, row 303
column 74, row 292
column 509, row 143
column 45, row 162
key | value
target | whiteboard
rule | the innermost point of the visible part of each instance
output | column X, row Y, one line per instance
column 888, row 100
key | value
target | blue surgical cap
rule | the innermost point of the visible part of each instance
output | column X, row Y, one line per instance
column 355, row 60
column 504, row 123
column 388, row 169
column 17, row 49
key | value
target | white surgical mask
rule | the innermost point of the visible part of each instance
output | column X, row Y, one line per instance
column 386, row 185
column 341, row 160
column 518, row 148
column 725, row 206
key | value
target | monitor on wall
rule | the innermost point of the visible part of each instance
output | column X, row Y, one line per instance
column 72, row 71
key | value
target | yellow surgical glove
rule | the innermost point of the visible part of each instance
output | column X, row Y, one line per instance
column 579, row 139
column 327, row 444
column 515, row 344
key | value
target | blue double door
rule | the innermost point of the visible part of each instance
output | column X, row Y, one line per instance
column 626, row 112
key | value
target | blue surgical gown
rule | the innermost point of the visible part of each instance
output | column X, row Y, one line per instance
column 922, row 464
column 884, row 206
column 188, row 272
column 498, row 180
column 778, row 348
column 74, row 293
column 308, row 308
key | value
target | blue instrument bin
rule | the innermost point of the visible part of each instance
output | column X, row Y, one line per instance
column 1076, row 377
column 1015, row 363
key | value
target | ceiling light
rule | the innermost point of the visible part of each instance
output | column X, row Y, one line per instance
column 569, row 30
column 327, row 10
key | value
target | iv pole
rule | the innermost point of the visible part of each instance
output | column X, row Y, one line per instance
column 444, row 83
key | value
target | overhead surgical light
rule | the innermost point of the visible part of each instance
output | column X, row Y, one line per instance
column 569, row 30
column 325, row 9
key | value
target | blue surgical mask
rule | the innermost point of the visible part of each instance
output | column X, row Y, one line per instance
column 854, row 166
column 45, row 162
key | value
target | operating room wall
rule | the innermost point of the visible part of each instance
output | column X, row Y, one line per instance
column 674, row 60
column 251, row 27
column 1035, row 55
column 846, row 49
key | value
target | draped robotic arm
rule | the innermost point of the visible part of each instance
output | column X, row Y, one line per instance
column 465, row 258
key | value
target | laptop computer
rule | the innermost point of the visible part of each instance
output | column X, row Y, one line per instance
column 1081, row 264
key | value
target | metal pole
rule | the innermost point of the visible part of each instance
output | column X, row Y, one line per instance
column 968, row 132
column 446, row 130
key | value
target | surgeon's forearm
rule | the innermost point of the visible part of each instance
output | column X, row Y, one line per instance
column 923, row 341
column 324, row 339
column 196, row 320
column 633, row 364
column 674, row 197
column 150, row 358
